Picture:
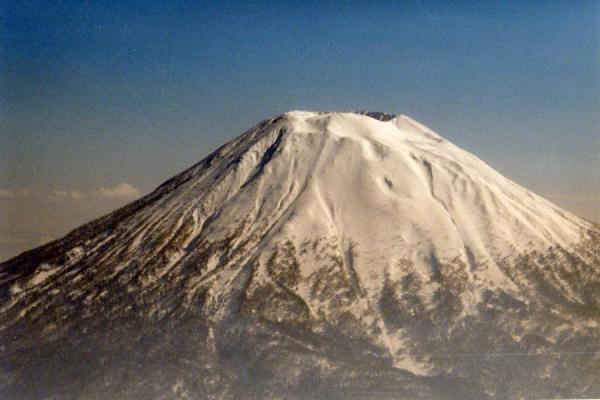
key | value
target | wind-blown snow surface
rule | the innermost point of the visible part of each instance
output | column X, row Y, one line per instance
column 318, row 255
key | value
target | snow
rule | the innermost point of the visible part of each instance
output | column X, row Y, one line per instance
column 44, row 272
column 369, row 181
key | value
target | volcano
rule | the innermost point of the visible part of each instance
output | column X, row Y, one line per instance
column 318, row 255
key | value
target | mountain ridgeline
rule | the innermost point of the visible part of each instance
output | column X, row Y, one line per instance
column 317, row 255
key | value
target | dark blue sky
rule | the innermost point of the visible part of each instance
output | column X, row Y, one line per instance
column 97, row 93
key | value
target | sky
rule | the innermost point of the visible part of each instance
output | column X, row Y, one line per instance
column 100, row 102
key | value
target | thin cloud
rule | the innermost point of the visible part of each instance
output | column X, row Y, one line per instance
column 122, row 191
column 69, row 194
column 6, row 193
column 117, row 192
column 15, row 194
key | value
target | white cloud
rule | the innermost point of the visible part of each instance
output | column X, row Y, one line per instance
column 69, row 194
column 117, row 192
column 122, row 190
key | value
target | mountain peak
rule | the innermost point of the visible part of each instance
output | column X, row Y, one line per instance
column 357, row 123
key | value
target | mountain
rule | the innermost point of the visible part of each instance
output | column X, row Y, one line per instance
column 317, row 255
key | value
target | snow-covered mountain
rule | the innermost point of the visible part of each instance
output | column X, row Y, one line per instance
column 318, row 255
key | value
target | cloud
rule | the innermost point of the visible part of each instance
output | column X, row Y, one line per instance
column 15, row 194
column 122, row 191
column 69, row 194
column 6, row 193
column 117, row 192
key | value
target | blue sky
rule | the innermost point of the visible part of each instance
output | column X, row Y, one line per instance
column 96, row 94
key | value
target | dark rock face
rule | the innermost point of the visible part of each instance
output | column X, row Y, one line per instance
column 380, row 116
column 170, row 302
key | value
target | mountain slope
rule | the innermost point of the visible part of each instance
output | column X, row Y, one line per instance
column 316, row 255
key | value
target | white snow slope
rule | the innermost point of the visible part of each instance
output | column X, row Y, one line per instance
column 392, row 190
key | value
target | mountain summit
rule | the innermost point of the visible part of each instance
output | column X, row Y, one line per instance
column 318, row 255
